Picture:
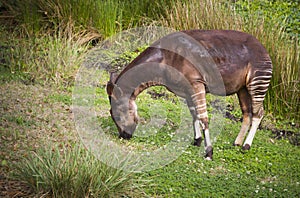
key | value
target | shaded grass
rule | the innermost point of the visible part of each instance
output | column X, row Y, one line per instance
column 105, row 17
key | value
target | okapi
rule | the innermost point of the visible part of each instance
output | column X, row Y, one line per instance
column 243, row 64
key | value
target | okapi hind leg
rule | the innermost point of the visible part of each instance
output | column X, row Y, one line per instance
column 245, row 104
column 207, row 141
column 257, row 88
column 257, row 117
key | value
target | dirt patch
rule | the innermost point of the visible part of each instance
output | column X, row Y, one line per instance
column 292, row 136
column 10, row 188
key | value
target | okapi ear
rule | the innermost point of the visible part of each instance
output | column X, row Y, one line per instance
column 111, row 83
column 113, row 77
column 109, row 88
column 112, row 89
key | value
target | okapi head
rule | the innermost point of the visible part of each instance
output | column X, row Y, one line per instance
column 124, row 109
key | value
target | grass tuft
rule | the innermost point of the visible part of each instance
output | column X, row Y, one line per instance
column 66, row 172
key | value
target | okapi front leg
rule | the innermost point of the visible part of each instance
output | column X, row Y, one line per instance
column 196, row 124
column 199, row 101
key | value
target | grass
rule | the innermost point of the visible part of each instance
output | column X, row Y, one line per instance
column 39, row 150
column 269, row 169
column 54, row 58
column 60, row 36
column 104, row 17
column 71, row 172
column 261, row 172
column 47, row 47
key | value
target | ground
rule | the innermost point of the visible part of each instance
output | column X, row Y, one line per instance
column 34, row 115
column 30, row 115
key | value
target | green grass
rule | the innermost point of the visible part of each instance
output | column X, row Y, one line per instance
column 103, row 17
column 59, row 171
column 48, row 45
column 54, row 58
column 267, row 170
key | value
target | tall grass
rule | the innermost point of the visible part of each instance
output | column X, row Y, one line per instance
column 51, row 35
column 46, row 58
column 107, row 17
column 72, row 172
column 282, row 99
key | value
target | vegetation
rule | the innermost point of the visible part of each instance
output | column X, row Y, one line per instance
column 286, row 13
column 43, row 42
column 66, row 172
column 62, row 31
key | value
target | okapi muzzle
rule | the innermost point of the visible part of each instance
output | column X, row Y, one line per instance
column 125, row 112
column 191, row 64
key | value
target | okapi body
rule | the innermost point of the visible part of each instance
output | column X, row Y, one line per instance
column 244, row 68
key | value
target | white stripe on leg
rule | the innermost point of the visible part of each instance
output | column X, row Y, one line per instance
column 250, row 137
column 208, row 145
column 197, row 129
column 207, row 138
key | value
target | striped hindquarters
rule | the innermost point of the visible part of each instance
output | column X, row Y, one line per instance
column 258, row 85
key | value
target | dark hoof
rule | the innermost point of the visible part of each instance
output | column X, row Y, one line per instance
column 125, row 135
column 246, row 147
column 197, row 142
column 209, row 153
column 234, row 144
